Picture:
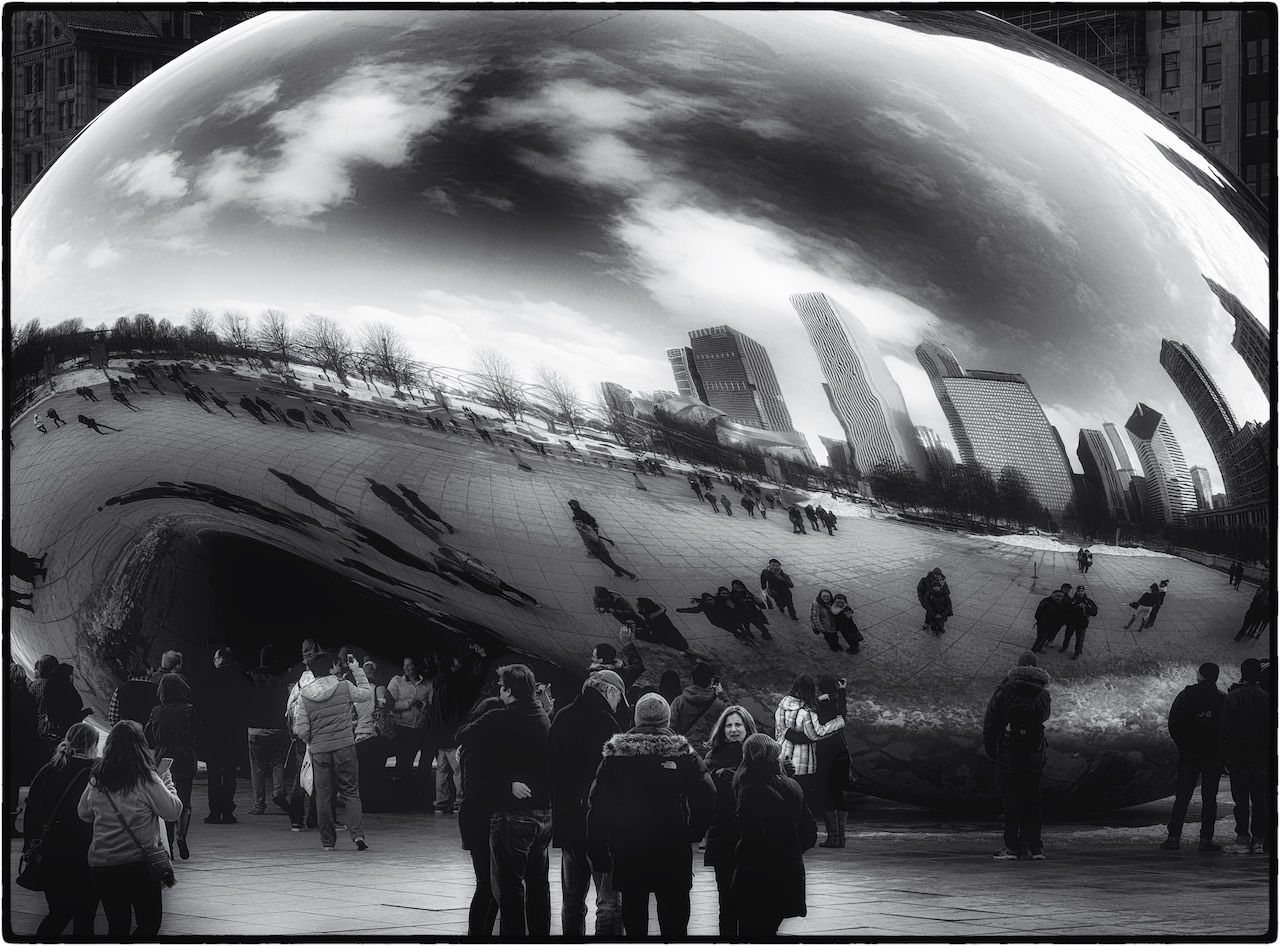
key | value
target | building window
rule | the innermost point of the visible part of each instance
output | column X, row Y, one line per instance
column 35, row 34
column 33, row 79
column 1170, row 19
column 35, row 122
column 1211, row 125
column 1209, row 16
column 115, row 70
column 66, row 71
column 1257, row 54
column 1211, row 68
column 66, row 115
column 1258, row 178
column 1257, row 119
column 166, row 23
column 1171, row 71
column 28, row 168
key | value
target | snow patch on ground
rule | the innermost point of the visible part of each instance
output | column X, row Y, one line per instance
column 1049, row 544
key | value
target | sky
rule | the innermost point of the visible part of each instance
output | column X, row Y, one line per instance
column 581, row 188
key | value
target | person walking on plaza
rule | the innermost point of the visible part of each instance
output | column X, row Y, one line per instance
column 511, row 744
column 1013, row 735
column 1050, row 614
column 651, row 801
column 775, row 828
column 1077, row 612
column 595, row 546
column 455, row 687
column 1142, row 607
column 135, row 698
column 226, row 699
column 53, row 416
column 323, row 722
column 39, row 424
column 797, row 519
column 723, row 760
column 1193, row 726
column 937, row 608
column 1246, row 743
column 126, row 801
column 1161, row 590
column 812, row 515
column 1235, row 574
column 411, row 711
column 51, row 818
column 695, row 711
column 1257, row 616
column 728, row 506
column 268, row 740
column 173, row 732
column 925, row 588
column 749, row 505
column 777, row 584
column 796, row 720
column 574, row 750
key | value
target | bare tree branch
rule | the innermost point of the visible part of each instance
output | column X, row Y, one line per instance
column 328, row 342
column 276, row 334
column 562, row 392
column 496, row 377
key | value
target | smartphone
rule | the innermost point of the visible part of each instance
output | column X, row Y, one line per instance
column 164, row 765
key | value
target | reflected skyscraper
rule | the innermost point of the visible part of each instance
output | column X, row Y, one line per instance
column 1203, row 486
column 1100, row 475
column 1208, row 405
column 1124, row 468
column 1169, row 493
column 1251, row 339
column 688, row 381
column 862, row 393
column 996, row 421
column 738, row 378
column 935, row 450
column 617, row 398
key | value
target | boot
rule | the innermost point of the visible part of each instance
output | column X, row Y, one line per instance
column 184, row 821
column 842, row 817
column 833, row 830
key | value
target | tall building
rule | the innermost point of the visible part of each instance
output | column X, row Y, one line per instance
column 1124, row 468
column 1208, row 405
column 738, row 378
column 1169, row 493
column 996, row 421
column 935, row 451
column 863, row 395
column 688, row 381
column 69, row 64
column 1100, row 476
column 1250, row 460
column 1251, row 340
column 617, row 399
column 1203, row 486
column 1210, row 70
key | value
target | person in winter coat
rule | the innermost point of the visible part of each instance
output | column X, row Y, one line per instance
column 58, row 703
column 574, row 750
column 135, row 698
column 832, row 773
column 723, row 759
column 1142, row 607
column 1162, row 589
column 268, row 696
column 651, row 800
column 455, row 687
column 1193, row 725
column 775, row 828
column 478, row 790
column 1013, row 735
column 173, row 732
column 1077, row 612
column 1246, row 743
column 750, row 608
column 323, row 722
column 796, row 718
column 656, row 627
column 511, row 743
column 820, row 618
column 778, row 585
column 54, row 797
column 22, row 747
column 124, row 784
column 937, row 608
column 843, row 624
column 925, row 585
column 797, row 519
column 719, row 611
column 1050, row 615
column 695, row 711
column 1235, row 574
column 411, row 710
column 1257, row 616
column 225, row 700
column 618, row 607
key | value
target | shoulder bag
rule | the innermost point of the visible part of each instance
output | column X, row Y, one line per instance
column 33, row 874
column 159, row 864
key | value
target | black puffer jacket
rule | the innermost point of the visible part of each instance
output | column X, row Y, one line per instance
column 1030, row 682
column 66, row 846
column 1194, row 717
column 511, row 742
column 1247, row 731
column 652, row 799
column 722, row 836
column 775, row 828
column 574, row 751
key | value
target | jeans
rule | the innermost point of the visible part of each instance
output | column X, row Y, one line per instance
column 518, row 870
column 483, row 912
column 448, row 779
column 267, row 751
column 408, row 743
column 1045, row 633
column 673, row 912
column 1079, row 635
column 784, row 602
column 222, row 781
column 1020, row 791
column 728, row 908
column 1209, row 774
column 77, row 906
column 576, row 877
column 1249, row 792
column 337, row 775
column 128, row 892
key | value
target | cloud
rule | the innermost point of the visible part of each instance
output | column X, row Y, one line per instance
column 104, row 254
column 156, row 177
column 438, row 199
column 248, row 101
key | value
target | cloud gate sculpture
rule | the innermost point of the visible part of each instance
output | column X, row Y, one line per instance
column 557, row 221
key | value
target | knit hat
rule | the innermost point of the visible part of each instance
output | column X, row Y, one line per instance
column 1209, row 671
column 652, row 710
column 173, row 688
column 1028, row 659
column 760, row 750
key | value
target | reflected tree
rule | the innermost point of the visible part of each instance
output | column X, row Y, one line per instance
column 276, row 335
column 329, row 344
column 497, row 378
column 562, row 393
column 236, row 331
column 201, row 333
column 388, row 356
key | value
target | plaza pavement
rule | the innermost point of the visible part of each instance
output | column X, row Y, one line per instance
column 905, row 873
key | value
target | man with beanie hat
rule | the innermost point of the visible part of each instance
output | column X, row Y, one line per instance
column 1013, row 735
column 695, row 711
column 1193, row 724
column 510, row 744
column 577, row 739
column 1246, row 742
column 323, row 722
column 652, row 799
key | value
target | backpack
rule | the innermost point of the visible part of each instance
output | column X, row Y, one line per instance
column 1023, row 727
column 383, row 722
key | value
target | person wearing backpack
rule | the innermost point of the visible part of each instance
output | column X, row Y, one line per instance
column 1193, row 725
column 1076, row 612
column 1013, row 735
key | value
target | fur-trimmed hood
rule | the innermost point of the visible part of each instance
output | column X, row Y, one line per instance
column 1037, row 676
column 655, row 743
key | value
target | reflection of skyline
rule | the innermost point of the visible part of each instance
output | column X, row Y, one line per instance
column 582, row 194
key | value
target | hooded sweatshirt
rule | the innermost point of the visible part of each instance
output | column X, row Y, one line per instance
column 324, row 711
column 144, row 808
column 1030, row 682
column 694, row 713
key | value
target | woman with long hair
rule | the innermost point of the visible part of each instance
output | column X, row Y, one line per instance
column 723, row 758
column 820, row 617
column 833, row 761
column 796, row 718
column 125, row 789
column 173, row 731
column 775, row 828
column 55, row 793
